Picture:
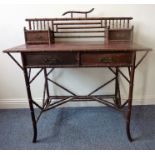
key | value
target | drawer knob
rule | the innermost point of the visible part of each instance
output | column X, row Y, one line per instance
column 39, row 37
column 106, row 60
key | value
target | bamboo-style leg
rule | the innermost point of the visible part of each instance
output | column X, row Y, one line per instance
column 117, row 90
column 34, row 123
column 46, row 86
column 26, row 76
column 46, row 81
column 128, row 118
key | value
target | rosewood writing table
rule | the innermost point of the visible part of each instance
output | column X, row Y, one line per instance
column 115, row 52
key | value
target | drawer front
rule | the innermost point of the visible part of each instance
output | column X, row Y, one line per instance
column 37, row 37
column 50, row 59
column 106, row 59
column 120, row 35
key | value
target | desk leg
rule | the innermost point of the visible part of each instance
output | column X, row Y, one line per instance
column 130, row 98
column 46, row 84
column 30, row 105
column 117, row 90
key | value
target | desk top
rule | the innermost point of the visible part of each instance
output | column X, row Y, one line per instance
column 79, row 46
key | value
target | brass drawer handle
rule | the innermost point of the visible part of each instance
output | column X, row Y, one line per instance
column 50, row 60
column 106, row 60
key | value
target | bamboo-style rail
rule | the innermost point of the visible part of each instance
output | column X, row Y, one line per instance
column 90, row 27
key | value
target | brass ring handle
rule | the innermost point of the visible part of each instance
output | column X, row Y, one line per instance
column 106, row 60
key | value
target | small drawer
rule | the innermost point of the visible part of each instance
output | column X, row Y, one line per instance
column 122, row 35
column 50, row 59
column 39, row 36
column 106, row 59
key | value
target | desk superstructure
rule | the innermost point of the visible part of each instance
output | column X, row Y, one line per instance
column 114, row 49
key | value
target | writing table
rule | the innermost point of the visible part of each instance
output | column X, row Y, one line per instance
column 116, row 52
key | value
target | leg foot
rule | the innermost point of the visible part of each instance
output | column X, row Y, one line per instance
column 34, row 128
column 128, row 132
column 34, row 140
column 128, row 118
column 35, row 136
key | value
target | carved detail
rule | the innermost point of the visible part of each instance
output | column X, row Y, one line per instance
column 79, row 12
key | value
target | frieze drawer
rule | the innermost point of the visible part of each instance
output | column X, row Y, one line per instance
column 106, row 59
column 50, row 59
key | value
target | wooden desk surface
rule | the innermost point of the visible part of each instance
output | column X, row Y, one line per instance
column 79, row 46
